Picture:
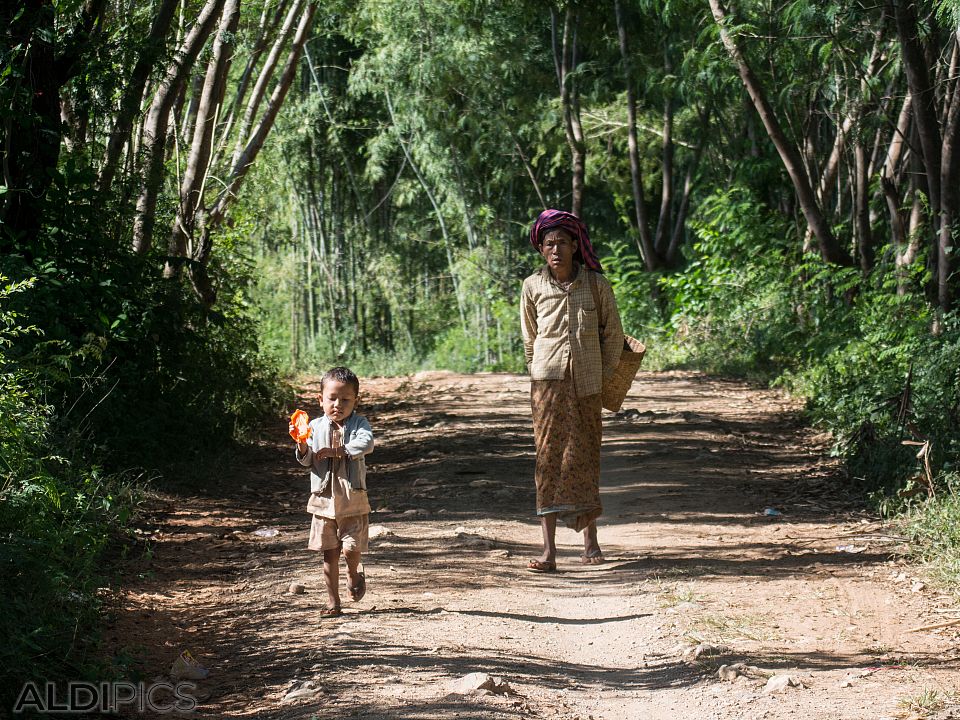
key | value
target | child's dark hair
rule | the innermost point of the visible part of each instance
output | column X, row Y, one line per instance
column 343, row 375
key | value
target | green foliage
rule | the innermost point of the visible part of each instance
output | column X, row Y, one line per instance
column 640, row 302
column 734, row 307
column 104, row 366
column 56, row 519
column 859, row 348
column 934, row 529
column 885, row 380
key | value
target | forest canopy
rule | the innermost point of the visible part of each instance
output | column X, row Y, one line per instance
column 200, row 197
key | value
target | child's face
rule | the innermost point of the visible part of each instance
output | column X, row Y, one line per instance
column 338, row 400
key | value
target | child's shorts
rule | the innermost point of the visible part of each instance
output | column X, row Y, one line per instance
column 350, row 533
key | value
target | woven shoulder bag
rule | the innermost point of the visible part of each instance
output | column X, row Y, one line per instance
column 616, row 387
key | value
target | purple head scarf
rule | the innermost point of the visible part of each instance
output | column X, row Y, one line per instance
column 560, row 220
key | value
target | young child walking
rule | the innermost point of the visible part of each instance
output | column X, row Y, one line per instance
column 335, row 452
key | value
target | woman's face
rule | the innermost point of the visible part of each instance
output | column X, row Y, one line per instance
column 558, row 248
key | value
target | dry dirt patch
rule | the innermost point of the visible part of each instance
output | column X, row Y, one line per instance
column 703, row 599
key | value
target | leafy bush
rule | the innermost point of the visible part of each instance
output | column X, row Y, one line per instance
column 639, row 301
column 734, row 308
column 104, row 366
column 934, row 529
column 858, row 348
column 56, row 518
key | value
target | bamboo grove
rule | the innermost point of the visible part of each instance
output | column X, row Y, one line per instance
column 424, row 136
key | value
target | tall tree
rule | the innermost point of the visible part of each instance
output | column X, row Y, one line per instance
column 645, row 240
column 940, row 149
column 830, row 249
column 155, row 137
column 565, row 60
column 38, row 66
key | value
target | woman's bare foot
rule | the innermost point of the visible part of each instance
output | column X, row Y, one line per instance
column 547, row 556
column 592, row 554
column 547, row 561
column 542, row 566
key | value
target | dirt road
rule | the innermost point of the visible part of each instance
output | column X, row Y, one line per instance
column 698, row 577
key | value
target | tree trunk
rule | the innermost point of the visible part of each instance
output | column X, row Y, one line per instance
column 133, row 92
column 660, row 238
column 208, row 221
column 949, row 202
column 264, row 33
column 208, row 108
column 670, row 260
column 830, row 249
column 865, row 250
column 889, row 187
column 158, row 119
column 260, row 87
column 644, row 241
column 924, row 97
column 570, row 103
column 190, row 96
column 832, row 169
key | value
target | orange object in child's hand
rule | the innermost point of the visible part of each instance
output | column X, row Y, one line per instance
column 300, row 426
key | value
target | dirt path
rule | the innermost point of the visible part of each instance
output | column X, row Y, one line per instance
column 694, row 562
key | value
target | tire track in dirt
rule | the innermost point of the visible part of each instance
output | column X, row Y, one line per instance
column 688, row 469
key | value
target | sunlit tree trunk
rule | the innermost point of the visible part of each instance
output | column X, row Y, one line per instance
column 830, row 249
column 133, row 92
column 269, row 21
column 211, row 99
column 565, row 61
column 263, row 80
column 644, row 240
column 158, row 119
column 210, row 219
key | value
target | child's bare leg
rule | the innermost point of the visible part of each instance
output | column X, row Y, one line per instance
column 353, row 558
column 331, row 573
column 357, row 583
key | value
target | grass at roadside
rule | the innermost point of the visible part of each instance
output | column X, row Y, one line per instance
column 934, row 529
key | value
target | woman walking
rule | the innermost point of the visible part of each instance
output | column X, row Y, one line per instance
column 572, row 340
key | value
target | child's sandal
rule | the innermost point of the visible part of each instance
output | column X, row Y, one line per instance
column 360, row 589
column 331, row 612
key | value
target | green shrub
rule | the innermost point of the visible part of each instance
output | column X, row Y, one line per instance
column 860, row 349
column 733, row 308
column 57, row 517
column 934, row 530
column 640, row 303
column 104, row 366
